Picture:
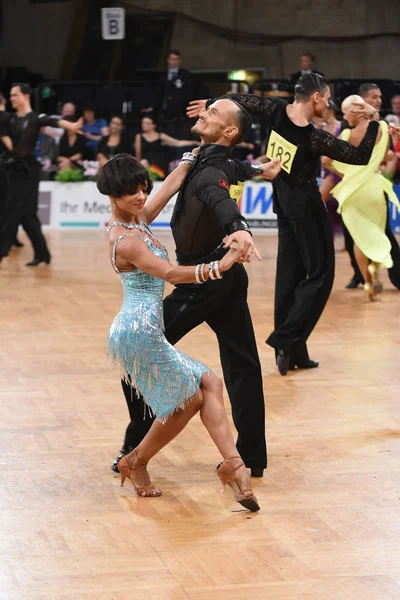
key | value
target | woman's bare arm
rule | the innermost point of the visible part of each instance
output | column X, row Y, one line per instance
column 133, row 251
column 169, row 188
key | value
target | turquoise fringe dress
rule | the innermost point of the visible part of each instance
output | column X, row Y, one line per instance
column 166, row 378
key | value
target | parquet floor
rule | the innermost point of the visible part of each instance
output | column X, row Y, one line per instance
column 329, row 526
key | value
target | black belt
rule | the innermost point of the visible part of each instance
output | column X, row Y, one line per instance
column 216, row 254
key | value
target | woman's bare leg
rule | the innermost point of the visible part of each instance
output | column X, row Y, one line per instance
column 363, row 263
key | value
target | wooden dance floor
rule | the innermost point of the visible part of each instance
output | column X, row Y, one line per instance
column 329, row 527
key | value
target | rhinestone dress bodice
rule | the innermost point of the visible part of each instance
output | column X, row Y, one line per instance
column 166, row 378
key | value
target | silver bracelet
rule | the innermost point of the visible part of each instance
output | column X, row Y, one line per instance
column 211, row 271
column 188, row 158
column 196, row 274
column 202, row 276
column 216, row 270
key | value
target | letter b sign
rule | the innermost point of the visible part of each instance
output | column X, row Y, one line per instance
column 113, row 23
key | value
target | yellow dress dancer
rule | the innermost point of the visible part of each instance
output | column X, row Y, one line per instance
column 362, row 204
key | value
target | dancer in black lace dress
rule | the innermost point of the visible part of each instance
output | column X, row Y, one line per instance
column 306, row 261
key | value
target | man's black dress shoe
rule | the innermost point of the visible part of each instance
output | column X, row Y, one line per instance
column 302, row 364
column 255, row 472
column 124, row 452
column 283, row 361
column 354, row 283
column 36, row 261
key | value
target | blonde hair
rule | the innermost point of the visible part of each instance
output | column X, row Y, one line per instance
column 347, row 102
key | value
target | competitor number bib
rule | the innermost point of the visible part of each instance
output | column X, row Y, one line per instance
column 235, row 191
column 280, row 148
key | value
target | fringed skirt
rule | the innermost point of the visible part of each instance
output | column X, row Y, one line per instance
column 165, row 377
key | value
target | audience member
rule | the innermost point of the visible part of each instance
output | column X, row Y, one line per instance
column 173, row 96
column 118, row 141
column 93, row 130
column 46, row 154
column 307, row 61
column 68, row 109
column 394, row 117
column 72, row 150
column 150, row 145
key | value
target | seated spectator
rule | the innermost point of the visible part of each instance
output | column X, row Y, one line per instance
column 394, row 117
column 46, row 154
column 150, row 146
column 71, row 151
column 114, row 143
column 93, row 129
column 307, row 61
column 68, row 109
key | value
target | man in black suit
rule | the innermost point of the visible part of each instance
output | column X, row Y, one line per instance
column 174, row 94
column 307, row 61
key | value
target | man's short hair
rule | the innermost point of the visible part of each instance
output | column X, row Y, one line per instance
column 309, row 84
column 176, row 52
column 309, row 55
column 244, row 124
column 24, row 87
column 365, row 89
column 2, row 97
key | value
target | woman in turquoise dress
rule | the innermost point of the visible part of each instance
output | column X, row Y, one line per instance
column 173, row 385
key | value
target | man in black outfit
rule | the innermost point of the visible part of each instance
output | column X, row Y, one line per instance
column 307, row 61
column 204, row 214
column 306, row 259
column 174, row 94
column 22, row 172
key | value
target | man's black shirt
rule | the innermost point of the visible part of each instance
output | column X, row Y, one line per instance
column 24, row 132
column 205, row 212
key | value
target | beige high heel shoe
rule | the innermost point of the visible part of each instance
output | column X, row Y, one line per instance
column 373, row 270
column 370, row 291
column 226, row 474
column 145, row 487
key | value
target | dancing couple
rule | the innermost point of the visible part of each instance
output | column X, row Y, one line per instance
column 211, row 287
column 362, row 204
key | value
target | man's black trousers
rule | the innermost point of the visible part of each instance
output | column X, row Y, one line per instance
column 223, row 306
column 304, row 277
column 22, row 189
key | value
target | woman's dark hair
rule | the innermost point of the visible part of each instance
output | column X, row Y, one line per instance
column 149, row 117
column 309, row 84
column 24, row 87
column 333, row 106
column 122, row 175
column 120, row 117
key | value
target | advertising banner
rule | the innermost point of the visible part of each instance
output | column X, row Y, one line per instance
column 80, row 205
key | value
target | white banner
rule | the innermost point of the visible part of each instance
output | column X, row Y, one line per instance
column 80, row 205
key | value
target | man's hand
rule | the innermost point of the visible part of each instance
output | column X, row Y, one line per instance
column 243, row 242
column 271, row 169
column 363, row 110
column 394, row 131
column 195, row 108
column 73, row 127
